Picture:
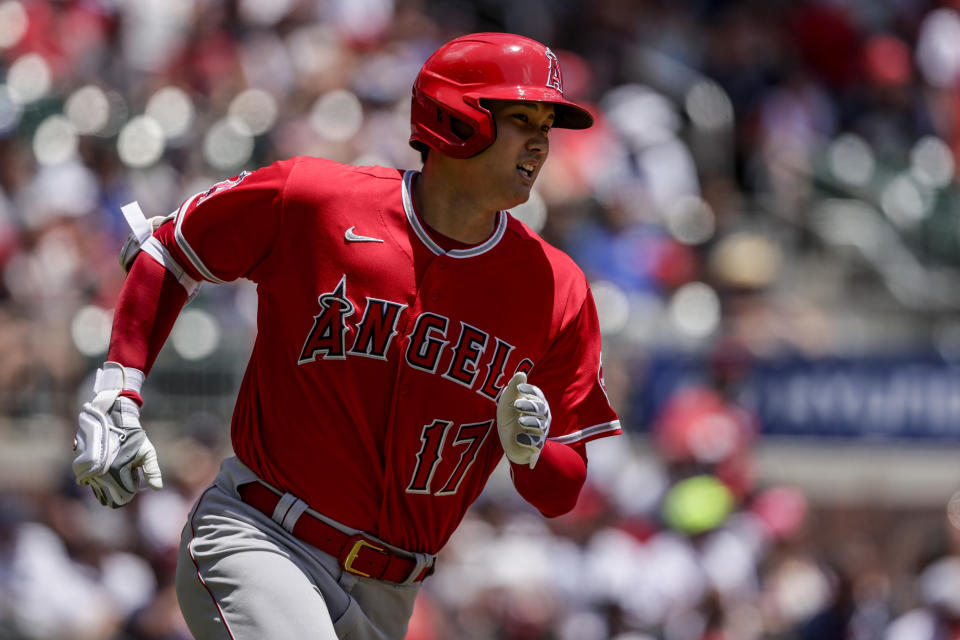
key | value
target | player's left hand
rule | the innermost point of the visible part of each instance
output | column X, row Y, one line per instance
column 523, row 420
column 112, row 449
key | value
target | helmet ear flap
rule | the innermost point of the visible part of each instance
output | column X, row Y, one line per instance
column 455, row 133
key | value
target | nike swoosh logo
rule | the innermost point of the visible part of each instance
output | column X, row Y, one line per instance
column 354, row 237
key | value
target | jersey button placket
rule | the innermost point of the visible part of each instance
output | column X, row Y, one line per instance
column 440, row 268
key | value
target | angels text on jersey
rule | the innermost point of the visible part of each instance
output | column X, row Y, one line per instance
column 478, row 362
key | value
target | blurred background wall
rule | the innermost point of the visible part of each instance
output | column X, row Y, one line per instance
column 767, row 213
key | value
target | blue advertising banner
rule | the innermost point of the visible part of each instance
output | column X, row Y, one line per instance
column 916, row 397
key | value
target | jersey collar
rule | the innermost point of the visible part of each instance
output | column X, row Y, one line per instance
column 424, row 236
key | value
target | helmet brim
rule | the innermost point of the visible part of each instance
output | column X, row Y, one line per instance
column 568, row 114
column 572, row 116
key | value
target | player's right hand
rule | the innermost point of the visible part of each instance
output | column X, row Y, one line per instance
column 523, row 420
column 112, row 449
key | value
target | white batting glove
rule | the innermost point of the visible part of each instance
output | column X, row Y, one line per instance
column 523, row 420
column 113, row 451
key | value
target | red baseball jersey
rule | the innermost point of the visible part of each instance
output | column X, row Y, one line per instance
column 371, row 390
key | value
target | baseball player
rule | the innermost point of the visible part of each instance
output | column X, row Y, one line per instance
column 410, row 333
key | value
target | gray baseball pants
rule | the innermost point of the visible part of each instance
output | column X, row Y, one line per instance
column 241, row 576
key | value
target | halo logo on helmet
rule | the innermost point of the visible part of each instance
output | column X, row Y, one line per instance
column 450, row 90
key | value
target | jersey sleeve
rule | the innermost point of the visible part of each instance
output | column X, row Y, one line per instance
column 554, row 485
column 571, row 377
column 228, row 231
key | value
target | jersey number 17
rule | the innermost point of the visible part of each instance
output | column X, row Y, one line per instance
column 469, row 440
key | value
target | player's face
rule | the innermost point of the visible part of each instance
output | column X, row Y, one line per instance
column 509, row 167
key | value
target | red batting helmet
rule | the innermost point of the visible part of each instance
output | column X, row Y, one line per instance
column 471, row 68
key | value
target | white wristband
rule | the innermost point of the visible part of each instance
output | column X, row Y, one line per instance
column 114, row 376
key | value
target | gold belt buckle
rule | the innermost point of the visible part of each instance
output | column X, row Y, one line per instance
column 348, row 561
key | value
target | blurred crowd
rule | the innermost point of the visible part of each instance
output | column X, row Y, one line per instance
column 765, row 177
